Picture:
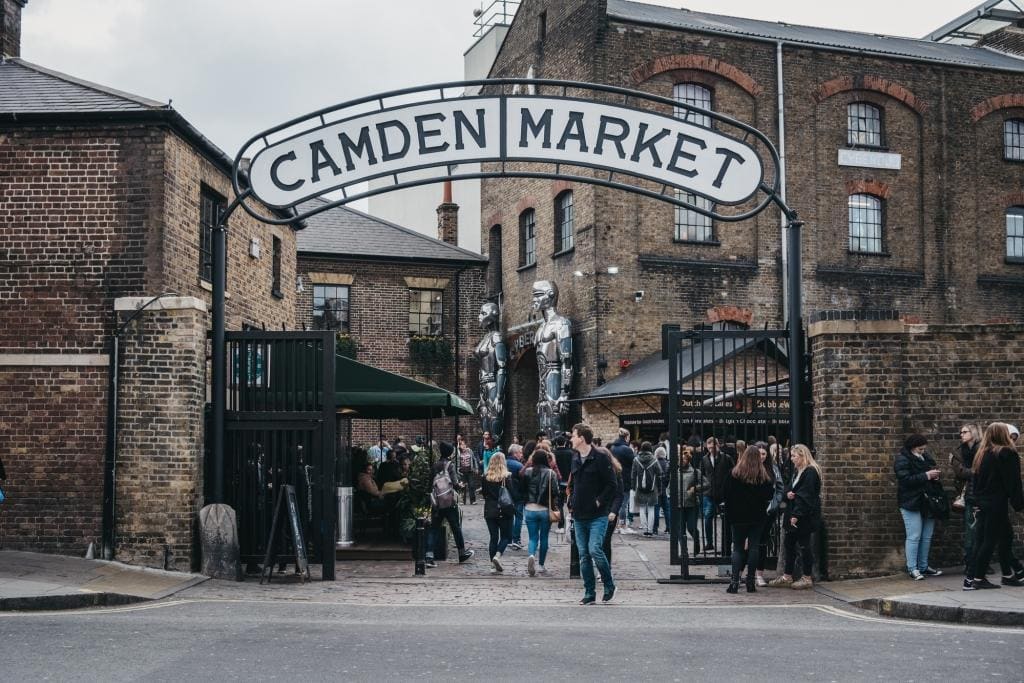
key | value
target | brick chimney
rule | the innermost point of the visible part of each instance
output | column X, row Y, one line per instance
column 448, row 217
column 10, row 27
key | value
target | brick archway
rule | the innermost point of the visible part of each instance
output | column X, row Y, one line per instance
column 871, row 83
column 869, row 186
column 1004, row 101
column 660, row 65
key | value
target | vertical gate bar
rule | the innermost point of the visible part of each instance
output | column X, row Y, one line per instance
column 328, row 507
column 673, row 440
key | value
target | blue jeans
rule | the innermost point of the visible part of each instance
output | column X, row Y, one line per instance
column 662, row 507
column 538, row 524
column 710, row 512
column 517, row 524
column 589, row 541
column 919, row 539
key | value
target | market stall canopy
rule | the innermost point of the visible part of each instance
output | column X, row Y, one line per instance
column 363, row 391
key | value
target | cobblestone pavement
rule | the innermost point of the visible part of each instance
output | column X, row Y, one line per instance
column 637, row 562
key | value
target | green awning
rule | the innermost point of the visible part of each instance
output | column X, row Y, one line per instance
column 363, row 391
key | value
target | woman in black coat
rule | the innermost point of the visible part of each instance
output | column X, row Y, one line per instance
column 802, row 517
column 915, row 472
column 499, row 524
column 748, row 490
column 997, row 486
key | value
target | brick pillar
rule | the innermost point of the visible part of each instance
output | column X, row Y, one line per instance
column 10, row 27
column 448, row 217
column 160, row 432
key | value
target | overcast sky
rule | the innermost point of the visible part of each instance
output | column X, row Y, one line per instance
column 236, row 67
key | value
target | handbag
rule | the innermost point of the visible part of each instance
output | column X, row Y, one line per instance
column 960, row 503
column 506, row 508
column 936, row 502
column 554, row 515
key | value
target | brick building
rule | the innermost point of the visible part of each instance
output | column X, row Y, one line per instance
column 904, row 157
column 404, row 301
column 108, row 201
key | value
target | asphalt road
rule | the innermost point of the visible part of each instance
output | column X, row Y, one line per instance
column 286, row 639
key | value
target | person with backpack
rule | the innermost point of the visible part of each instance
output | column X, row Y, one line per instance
column 444, row 507
column 664, row 505
column 499, row 510
column 542, row 499
column 646, row 485
column 514, row 463
column 467, row 466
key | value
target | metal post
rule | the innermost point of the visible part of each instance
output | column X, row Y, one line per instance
column 111, row 453
column 421, row 546
column 796, row 374
column 218, row 351
column 574, row 552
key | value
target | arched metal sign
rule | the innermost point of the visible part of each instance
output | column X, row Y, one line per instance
column 580, row 132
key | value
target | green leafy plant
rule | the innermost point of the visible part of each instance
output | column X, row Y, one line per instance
column 345, row 345
column 430, row 352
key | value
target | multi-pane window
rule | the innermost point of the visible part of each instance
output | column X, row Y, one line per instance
column 330, row 307
column 696, row 96
column 863, row 125
column 211, row 206
column 691, row 226
column 865, row 222
column 1013, row 139
column 564, row 222
column 426, row 312
column 1015, row 232
column 527, row 238
column 275, row 285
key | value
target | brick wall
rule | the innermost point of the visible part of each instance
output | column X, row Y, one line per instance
column 874, row 384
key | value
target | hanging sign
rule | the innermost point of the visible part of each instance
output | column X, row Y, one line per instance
column 631, row 139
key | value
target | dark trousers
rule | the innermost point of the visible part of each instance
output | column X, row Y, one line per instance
column 994, row 533
column 436, row 542
column 662, row 507
column 746, row 539
column 500, row 530
column 801, row 536
column 469, row 489
column 766, row 531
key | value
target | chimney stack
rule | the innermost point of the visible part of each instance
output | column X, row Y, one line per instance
column 448, row 217
column 10, row 27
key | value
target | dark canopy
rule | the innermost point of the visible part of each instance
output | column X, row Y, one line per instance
column 363, row 391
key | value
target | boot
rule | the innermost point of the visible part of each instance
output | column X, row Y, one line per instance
column 751, row 588
column 734, row 587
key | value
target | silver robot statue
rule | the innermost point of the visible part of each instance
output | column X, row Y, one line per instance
column 492, row 355
column 553, row 341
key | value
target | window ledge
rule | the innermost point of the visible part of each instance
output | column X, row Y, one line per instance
column 528, row 266
column 1015, row 260
column 564, row 252
column 699, row 243
column 208, row 286
column 1012, row 160
column 868, row 148
column 277, row 294
column 882, row 254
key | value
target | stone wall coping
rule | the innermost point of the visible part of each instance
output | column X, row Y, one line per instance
column 318, row 278
column 170, row 303
column 426, row 282
column 54, row 359
column 823, row 327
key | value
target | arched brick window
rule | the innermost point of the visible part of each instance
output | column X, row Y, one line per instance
column 691, row 226
column 866, row 220
column 864, row 125
column 565, row 222
column 1015, row 234
column 527, row 238
column 1013, row 139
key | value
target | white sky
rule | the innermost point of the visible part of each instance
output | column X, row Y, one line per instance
column 236, row 67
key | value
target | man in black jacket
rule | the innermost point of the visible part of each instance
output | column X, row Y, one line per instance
column 622, row 452
column 714, row 469
column 592, row 487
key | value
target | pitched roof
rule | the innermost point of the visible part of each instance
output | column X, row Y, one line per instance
column 825, row 38
column 342, row 231
column 27, row 88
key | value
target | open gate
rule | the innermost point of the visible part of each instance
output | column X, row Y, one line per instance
column 280, row 429
column 733, row 384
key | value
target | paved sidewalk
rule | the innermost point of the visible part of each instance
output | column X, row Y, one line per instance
column 36, row 581
column 935, row 599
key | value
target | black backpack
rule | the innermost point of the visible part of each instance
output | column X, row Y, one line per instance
column 648, row 480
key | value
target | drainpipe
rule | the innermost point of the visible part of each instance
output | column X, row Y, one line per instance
column 110, row 457
column 783, row 220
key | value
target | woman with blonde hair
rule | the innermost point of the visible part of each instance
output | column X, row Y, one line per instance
column 748, row 490
column 801, row 517
column 499, row 520
column 997, row 485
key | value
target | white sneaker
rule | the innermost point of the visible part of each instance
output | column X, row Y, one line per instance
column 515, row 546
column 496, row 561
column 759, row 580
column 916, row 575
column 628, row 530
column 541, row 569
column 531, row 566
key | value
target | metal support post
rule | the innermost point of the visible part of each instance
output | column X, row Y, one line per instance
column 574, row 552
column 421, row 546
column 796, row 341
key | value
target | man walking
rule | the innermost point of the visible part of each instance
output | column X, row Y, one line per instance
column 664, row 505
column 444, row 507
column 514, row 462
column 592, row 486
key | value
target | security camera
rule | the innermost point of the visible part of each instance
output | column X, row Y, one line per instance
column 638, row 295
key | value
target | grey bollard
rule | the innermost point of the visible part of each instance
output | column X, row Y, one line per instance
column 219, row 533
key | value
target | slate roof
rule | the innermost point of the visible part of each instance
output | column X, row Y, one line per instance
column 342, row 231
column 28, row 88
column 826, row 38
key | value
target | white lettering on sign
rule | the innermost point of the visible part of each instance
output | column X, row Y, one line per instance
column 554, row 130
column 865, row 159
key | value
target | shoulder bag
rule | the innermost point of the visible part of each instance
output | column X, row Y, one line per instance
column 506, row 508
column 554, row 514
column 936, row 502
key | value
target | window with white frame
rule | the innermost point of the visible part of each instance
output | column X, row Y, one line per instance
column 565, row 220
column 1013, row 139
column 865, row 223
column 863, row 125
column 1015, row 233
column 690, row 225
column 426, row 312
column 527, row 238
column 331, row 307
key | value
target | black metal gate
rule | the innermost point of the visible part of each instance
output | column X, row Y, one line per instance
column 733, row 385
column 280, row 423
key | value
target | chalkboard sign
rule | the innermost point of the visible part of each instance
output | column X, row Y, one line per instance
column 285, row 498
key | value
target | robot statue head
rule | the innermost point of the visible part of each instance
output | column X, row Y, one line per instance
column 545, row 295
column 488, row 315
